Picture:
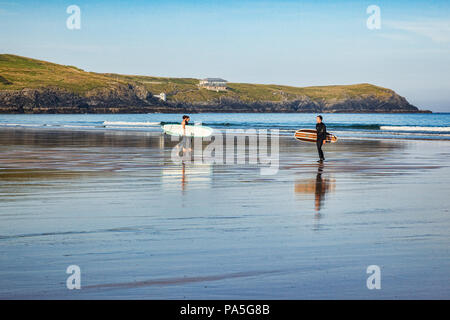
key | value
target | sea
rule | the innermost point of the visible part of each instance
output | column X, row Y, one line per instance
column 378, row 126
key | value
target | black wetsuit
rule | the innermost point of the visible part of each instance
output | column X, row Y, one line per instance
column 186, row 140
column 321, row 136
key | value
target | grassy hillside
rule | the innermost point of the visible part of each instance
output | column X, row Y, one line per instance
column 19, row 72
column 186, row 90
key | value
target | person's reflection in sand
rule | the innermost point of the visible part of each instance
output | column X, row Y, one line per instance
column 183, row 177
column 318, row 186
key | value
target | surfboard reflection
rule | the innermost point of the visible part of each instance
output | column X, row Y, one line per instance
column 319, row 186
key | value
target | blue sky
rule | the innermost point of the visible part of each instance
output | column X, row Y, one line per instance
column 297, row 43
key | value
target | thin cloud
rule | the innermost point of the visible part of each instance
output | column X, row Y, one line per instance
column 437, row 31
column 395, row 36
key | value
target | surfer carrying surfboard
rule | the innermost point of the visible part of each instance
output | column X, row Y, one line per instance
column 186, row 141
column 185, row 122
column 321, row 129
column 319, row 136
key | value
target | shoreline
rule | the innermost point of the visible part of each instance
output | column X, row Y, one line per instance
column 282, row 132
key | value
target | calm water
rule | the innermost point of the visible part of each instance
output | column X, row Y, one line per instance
column 403, row 126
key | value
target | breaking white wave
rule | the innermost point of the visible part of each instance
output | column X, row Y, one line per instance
column 19, row 125
column 125, row 123
column 423, row 129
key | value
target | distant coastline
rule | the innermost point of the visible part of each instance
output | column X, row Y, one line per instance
column 33, row 86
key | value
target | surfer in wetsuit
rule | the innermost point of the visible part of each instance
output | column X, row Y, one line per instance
column 321, row 136
column 186, row 143
column 185, row 122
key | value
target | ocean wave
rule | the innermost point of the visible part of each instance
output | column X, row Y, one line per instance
column 333, row 126
column 415, row 128
column 76, row 126
column 126, row 123
column 354, row 126
column 19, row 125
column 292, row 125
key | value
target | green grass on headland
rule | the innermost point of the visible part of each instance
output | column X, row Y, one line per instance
column 17, row 73
column 23, row 73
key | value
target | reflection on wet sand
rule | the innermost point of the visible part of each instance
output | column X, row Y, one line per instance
column 182, row 174
column 183, row 177
column 318, row 186
column 180, row 280
column 115, row 201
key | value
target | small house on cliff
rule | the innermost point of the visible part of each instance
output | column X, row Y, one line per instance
column 215, row 84
column 162, row 96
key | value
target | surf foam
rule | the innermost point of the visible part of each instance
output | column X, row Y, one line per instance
column 424, row 129
column 125, row 123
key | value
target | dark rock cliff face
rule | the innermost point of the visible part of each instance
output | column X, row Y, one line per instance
column 119, row 99
column 136, row 99
column 392, row 104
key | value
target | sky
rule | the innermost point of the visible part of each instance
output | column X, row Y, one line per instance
column 298, row 43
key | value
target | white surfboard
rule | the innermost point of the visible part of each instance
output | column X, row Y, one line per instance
column 191, row 131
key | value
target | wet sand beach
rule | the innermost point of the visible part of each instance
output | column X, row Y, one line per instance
column 143, row 227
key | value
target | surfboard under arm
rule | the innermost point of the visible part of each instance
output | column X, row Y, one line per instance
column 191, row 130
column 310, row 135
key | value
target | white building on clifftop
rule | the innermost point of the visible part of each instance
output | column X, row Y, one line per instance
column 215, row 84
